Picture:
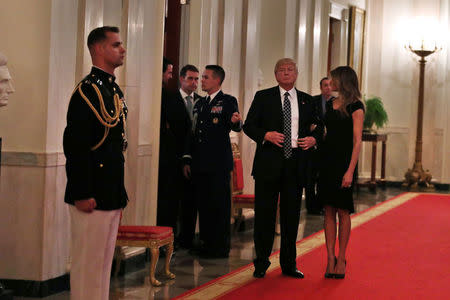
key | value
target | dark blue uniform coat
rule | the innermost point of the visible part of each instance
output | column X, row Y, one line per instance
column 94, row 173
column 212, row 162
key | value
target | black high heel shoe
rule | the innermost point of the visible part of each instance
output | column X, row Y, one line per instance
column 340, row 276
column 331, row 275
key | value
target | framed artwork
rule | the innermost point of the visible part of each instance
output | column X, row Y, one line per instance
column 356, row 40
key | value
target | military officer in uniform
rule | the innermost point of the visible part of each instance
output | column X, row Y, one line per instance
column 209, row 158
column 94, row 141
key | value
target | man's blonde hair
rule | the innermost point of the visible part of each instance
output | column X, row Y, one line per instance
column 285, row 61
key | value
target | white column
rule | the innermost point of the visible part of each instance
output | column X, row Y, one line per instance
column 444, row 103
column 201, row 46
column 145, row 36
column 135, row 24
column 230, row 50
column 62, row 64
column 251, row 54
column 291, row 31
column 231, row 47
column 304, row 53
column 91, row 16
column 320, row 43
column 209, row 42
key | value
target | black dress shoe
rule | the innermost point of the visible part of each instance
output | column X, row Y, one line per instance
column 259, row 273
column 331, row 275
column 294, row 273
column 338, row 275
column 261, row 266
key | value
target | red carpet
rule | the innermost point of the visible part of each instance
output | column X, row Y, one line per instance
column 402, row 253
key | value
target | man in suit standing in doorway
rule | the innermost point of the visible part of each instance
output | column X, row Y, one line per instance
column 279, row 121
column 185, row 99
column 313, row 206
column 168, row 198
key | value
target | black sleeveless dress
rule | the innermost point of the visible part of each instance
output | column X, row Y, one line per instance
column 335, row 156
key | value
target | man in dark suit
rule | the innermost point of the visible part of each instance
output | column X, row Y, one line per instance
column 210, row 159
column 170, row 129
column 325, row 94
column 280, row 121
column 185, row 99
column 94, row 141
column 312, row 204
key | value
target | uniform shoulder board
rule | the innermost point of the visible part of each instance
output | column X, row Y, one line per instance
column 86, row 80
column 86, row 86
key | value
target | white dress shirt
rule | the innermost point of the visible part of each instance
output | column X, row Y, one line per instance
column 294, row 114
column 184, row 95
column 212, row 96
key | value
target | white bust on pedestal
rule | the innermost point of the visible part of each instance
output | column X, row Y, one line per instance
column 6, row 86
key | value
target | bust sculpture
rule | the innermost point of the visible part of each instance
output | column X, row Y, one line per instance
column 6, row 86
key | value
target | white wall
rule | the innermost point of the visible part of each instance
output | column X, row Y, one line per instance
column 271, row 39
column 299, row 29
column 22, row 122
column 42, row 54
column 47, row 55
column 393, row 74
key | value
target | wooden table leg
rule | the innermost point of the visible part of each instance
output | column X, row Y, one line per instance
column 373, row 183
column 383, row 164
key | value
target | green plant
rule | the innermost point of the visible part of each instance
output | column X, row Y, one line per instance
column 375, row 113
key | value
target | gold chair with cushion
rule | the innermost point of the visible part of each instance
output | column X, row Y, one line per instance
column 152, row 237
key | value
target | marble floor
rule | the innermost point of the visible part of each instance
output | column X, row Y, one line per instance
column 192, row 271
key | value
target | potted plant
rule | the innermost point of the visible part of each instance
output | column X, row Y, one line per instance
column 375, row 114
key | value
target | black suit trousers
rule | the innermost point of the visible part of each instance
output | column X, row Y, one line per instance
column 212, row 191
column 169, row 195
column 312, row 202
column 287, row 189
column 188, row 217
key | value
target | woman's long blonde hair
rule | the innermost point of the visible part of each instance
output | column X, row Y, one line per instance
column 347, row 85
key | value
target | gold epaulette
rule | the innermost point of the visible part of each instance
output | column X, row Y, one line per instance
column 103, row 117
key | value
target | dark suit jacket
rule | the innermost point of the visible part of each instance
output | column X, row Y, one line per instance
column 181, row 121
column 167, row 140
column 317, row 101
column 95, row 173
column 209, row 145
column 265, row 115
column 175, row 128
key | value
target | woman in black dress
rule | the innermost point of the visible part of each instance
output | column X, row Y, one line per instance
column 339, row 156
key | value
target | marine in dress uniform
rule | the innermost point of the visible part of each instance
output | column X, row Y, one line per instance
column 214, row 117
column 94, row 141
